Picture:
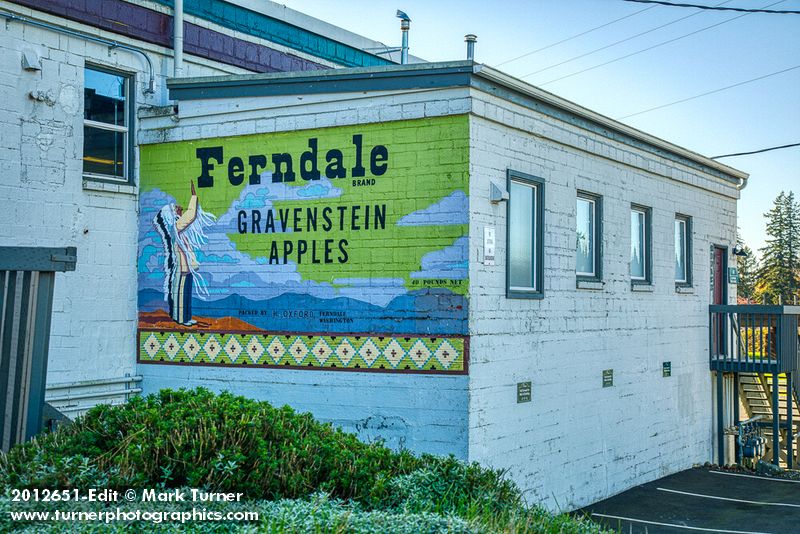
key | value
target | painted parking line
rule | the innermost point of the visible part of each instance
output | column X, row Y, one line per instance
column 673, row 525
column 769, row 479
column 728, row 498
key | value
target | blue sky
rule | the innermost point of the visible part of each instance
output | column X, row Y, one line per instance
column 752, row 116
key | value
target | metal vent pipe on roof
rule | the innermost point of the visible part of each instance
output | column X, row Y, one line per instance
column 470, row 39
column 405, row 25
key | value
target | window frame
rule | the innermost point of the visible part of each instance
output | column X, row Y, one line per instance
column 597, row 258
column 647, row 249
column 128, row 165
column 537, row 219
column 687, row 243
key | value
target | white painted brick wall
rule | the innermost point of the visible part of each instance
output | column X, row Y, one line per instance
column 42, row 199
column 577, row 442
column 202, row 119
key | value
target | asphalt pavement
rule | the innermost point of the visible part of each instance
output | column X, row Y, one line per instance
column 703, row 500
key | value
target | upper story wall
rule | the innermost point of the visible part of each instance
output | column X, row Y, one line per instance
column 45, row 199
column 261, row 37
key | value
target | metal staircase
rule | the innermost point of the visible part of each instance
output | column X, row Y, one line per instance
column 752, row 344
column 755, row 395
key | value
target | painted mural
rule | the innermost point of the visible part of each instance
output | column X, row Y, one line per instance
column 336, row 248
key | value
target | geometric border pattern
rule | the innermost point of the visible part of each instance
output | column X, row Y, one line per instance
column 342, row 352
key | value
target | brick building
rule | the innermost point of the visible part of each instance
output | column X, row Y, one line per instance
column 434, row 254
column 59, row 59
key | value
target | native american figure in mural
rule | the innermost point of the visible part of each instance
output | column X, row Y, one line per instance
column 182, row 234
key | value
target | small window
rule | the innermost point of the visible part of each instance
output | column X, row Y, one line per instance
column 683, row 251
column 525, row 234
column 588, row 237
column 106, row 124
column 640, row 245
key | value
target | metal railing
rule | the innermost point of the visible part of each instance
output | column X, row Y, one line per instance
column 27, row 277
column 754, row 338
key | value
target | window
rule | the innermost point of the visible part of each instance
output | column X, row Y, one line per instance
column 588, row 237
column 683, row 250
column 525, row 236
column 640, row 245
column 107, row 116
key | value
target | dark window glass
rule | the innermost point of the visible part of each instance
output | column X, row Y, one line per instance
column 105, row 125
column 104, row 97
column 103, row 151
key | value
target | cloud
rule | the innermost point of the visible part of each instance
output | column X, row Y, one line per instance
column 314, row 191
column 452, row 209
column 151, row 250
column 451, row 262
column 252, row 202
column 202, row 257
column 381, row 290
column 148, row 252
column 228, row 271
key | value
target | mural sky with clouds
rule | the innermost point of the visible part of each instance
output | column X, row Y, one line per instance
column 358, row 228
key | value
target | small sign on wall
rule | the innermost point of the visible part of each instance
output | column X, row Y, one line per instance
column 733, row 275
column 523, row 392
column 666, row 369
column 608, row 378
column 488, row 245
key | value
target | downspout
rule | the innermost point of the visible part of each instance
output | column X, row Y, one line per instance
column 177, row 38
column 742, row 184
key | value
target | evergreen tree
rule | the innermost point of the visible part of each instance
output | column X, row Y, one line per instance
column 748, row 269
column 779, row 275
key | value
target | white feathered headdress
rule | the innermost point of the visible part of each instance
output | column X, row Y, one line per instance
column 191, row 238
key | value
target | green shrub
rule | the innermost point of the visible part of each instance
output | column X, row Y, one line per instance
column 446, row 485
column 199, row 439
column 277, row 458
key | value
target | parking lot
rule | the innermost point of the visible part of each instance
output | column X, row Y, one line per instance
column 702, row 500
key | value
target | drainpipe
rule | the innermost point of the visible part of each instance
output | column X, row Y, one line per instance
column 177, row 37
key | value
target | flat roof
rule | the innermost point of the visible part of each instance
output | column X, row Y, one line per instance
column 325, row 29
column 441, row 75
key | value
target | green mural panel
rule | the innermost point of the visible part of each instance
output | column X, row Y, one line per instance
column 356, row 229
